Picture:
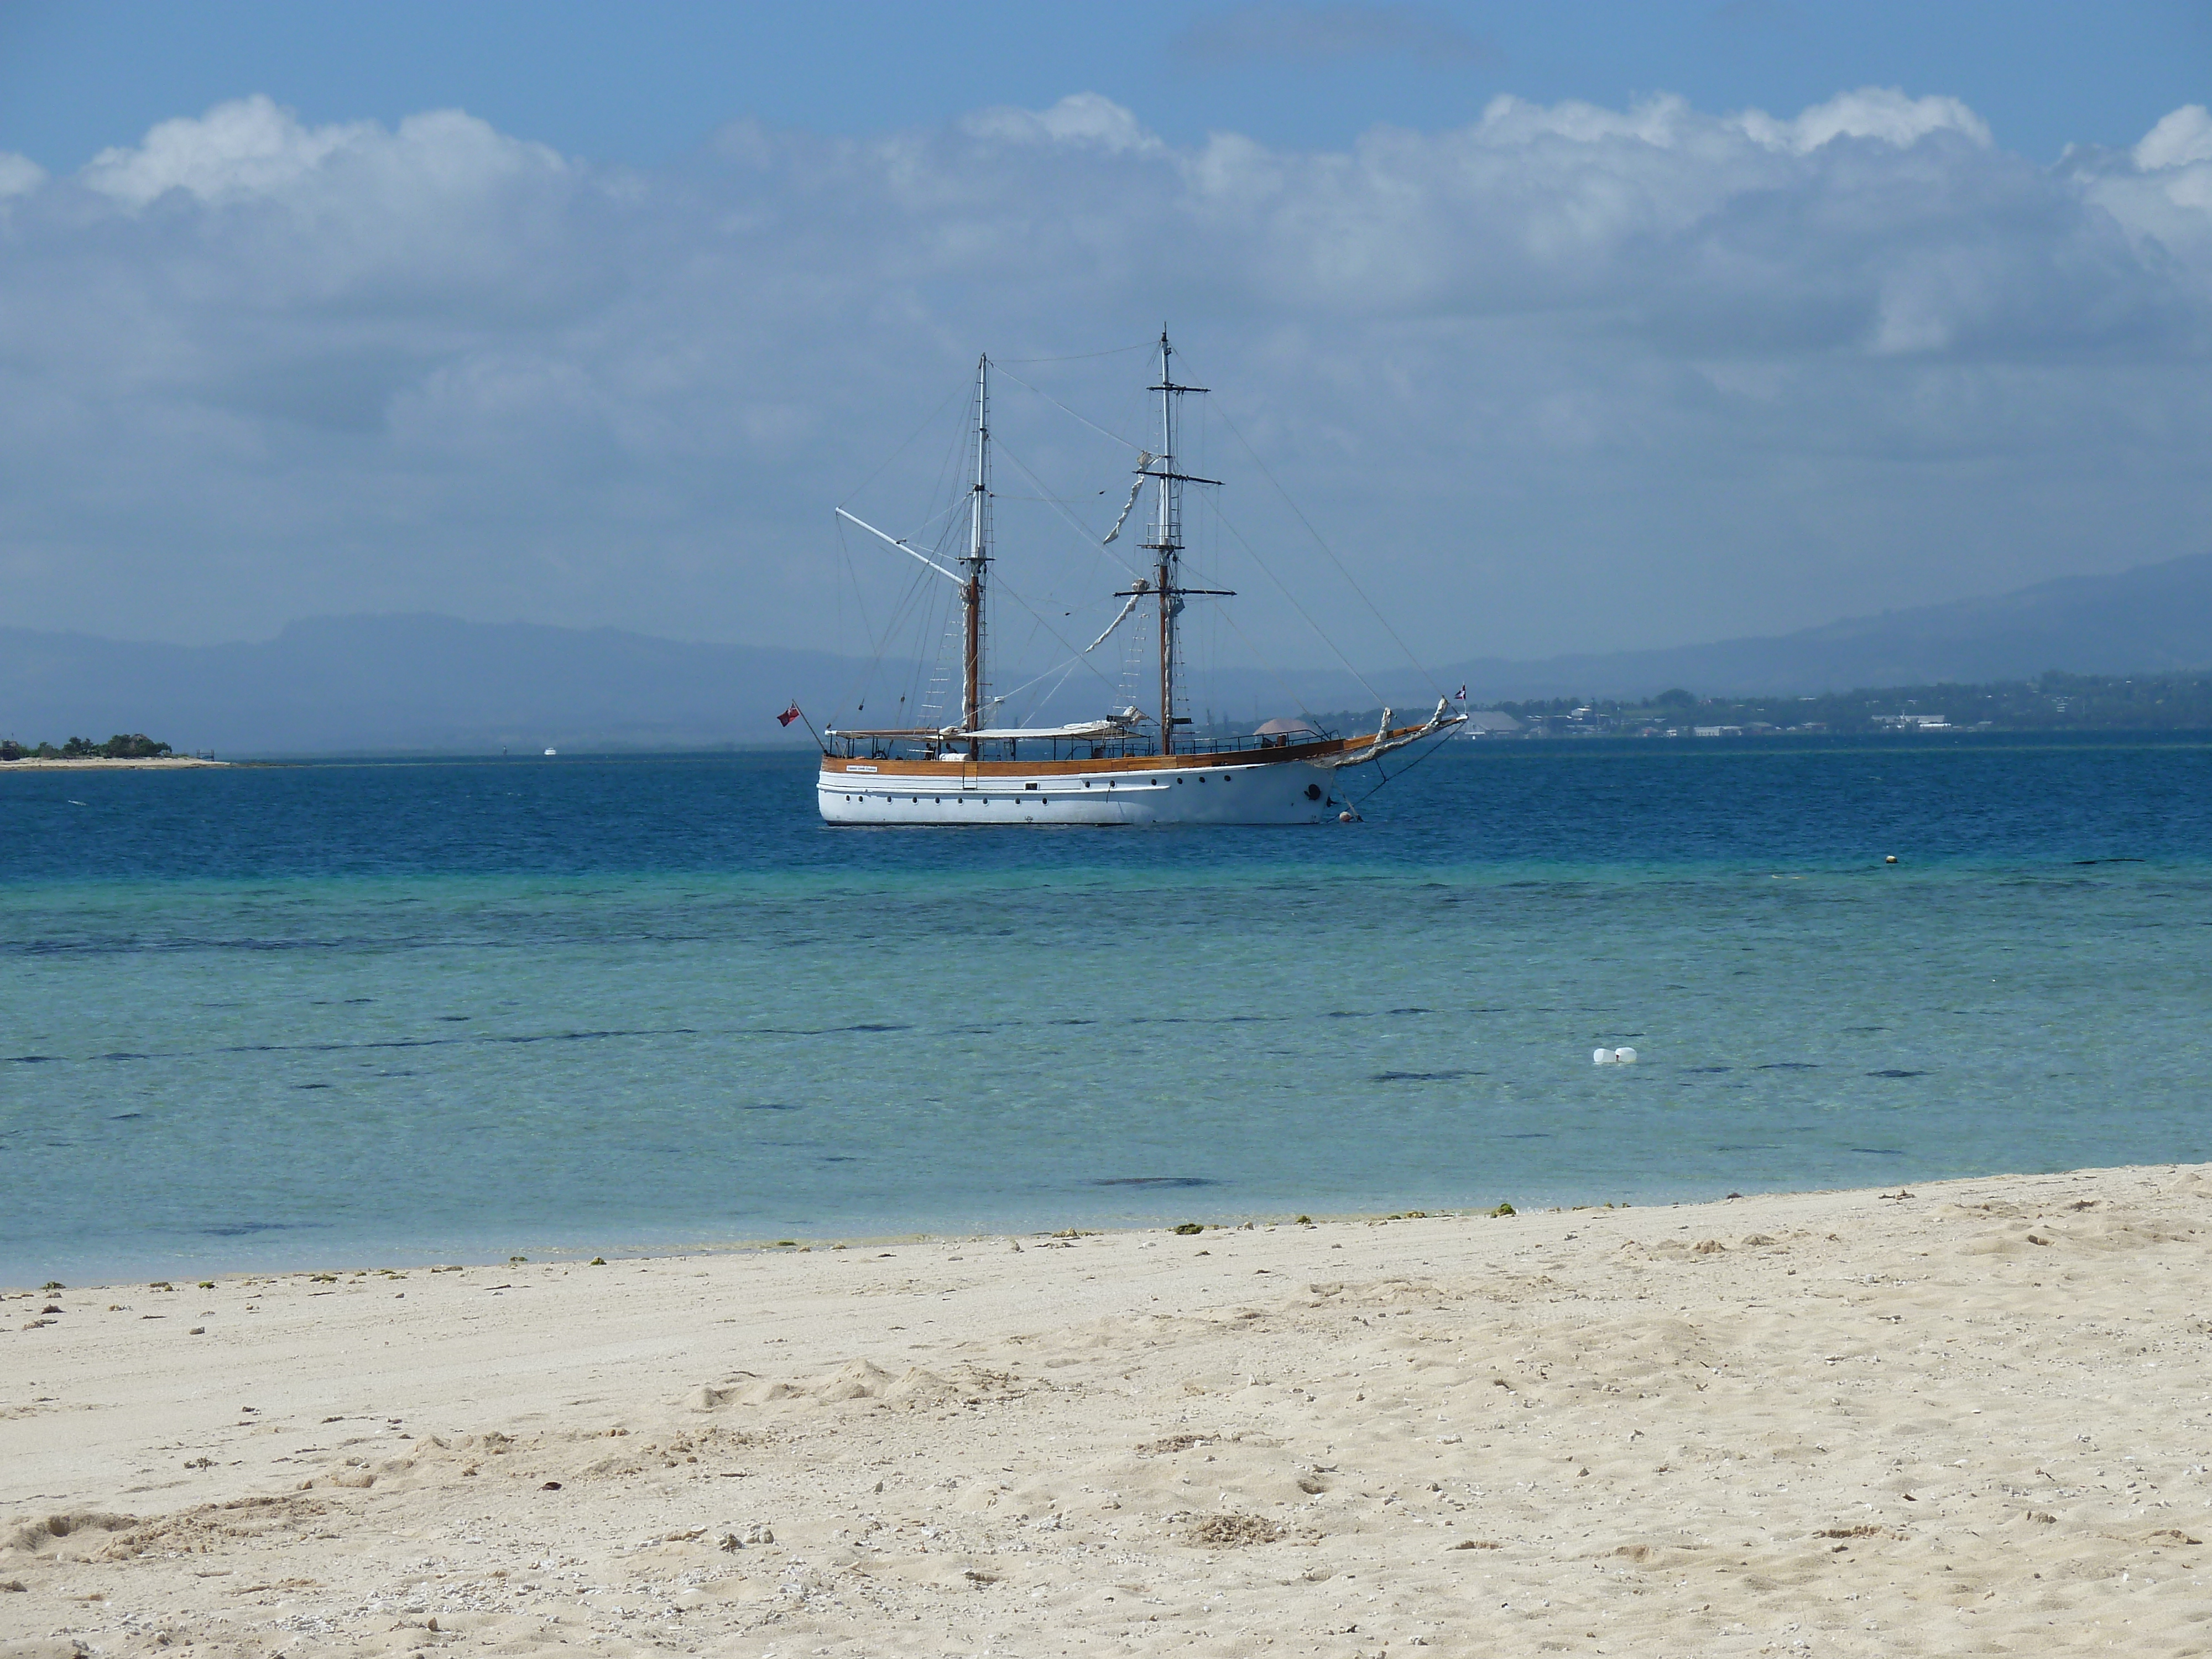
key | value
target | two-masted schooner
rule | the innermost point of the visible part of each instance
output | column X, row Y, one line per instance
column 1128, row 768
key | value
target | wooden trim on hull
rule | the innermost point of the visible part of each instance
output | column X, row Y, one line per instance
column 976, row 771
column 950, row 792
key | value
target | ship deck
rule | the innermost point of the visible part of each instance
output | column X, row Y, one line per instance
column 1095, row 758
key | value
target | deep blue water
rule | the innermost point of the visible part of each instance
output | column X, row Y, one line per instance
column 354, row 1013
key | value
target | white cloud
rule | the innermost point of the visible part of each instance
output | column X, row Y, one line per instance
column 2160, row 191
column 1718, row 373
column 19, row 174
column 246, row 147
column 1082, row 118
column 1662, row 122
column 250, row 149
column 1881, row 112
column 2182, row 137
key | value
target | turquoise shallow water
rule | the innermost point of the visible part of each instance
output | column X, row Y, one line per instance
column 376, row 1013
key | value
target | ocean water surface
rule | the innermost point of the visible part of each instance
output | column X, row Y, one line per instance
column 372, row 1013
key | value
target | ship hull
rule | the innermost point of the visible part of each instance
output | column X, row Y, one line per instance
column 1189, row 789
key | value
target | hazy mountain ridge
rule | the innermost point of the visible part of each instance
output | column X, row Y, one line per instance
column 338, row 684
column 2153, row 618
column 429, row 683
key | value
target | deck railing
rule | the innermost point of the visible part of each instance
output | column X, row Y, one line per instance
column 1068, row 749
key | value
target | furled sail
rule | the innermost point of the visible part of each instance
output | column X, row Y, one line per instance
column 1386, row 740
column 1141, row 589
column 1114, row 726
column 1144, row 459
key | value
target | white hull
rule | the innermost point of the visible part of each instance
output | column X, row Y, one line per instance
column 1280, row 792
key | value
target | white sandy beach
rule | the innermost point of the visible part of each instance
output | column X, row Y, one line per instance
column 1972, row 1419
column 101, row 763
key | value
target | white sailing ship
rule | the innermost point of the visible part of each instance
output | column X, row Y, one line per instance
column 1128, row 767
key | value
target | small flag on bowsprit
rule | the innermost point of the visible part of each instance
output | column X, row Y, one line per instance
column 789, row 715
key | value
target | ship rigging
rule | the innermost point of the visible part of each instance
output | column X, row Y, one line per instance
column 1126, row 767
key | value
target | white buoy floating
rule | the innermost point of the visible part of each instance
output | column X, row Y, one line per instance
column 552, row 751
column 1613, row 1056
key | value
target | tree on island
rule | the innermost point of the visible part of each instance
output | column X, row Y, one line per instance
column 123, row 746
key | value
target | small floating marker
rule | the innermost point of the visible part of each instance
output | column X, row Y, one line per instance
column 1344, row 818
column 1624, row 1056
column 1892, row 859
column 1601, row 1056
column 555, row 751
column 1613, row 1056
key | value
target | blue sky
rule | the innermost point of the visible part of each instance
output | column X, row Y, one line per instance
column 1573, row 326
column 642, row 82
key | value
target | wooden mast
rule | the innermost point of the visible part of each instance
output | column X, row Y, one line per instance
column 979, row 555
column 1166, row 543
column 1167, row 537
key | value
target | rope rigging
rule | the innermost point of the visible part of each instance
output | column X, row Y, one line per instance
column 959, row 534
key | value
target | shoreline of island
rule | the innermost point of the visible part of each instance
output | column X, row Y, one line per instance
column 102, row 763
column 537, row 1246
column 1680, row 1427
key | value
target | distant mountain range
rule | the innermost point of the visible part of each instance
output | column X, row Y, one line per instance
column 427, row 683
column 2155, row 618
column 410, row 684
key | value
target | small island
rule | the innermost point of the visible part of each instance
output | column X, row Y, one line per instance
column 132, row 749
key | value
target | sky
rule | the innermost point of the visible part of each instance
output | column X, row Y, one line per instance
column 1562, row 327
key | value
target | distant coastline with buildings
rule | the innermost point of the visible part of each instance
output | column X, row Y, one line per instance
column 2049, row 703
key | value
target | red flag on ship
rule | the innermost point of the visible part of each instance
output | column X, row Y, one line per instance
column 788, row 714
